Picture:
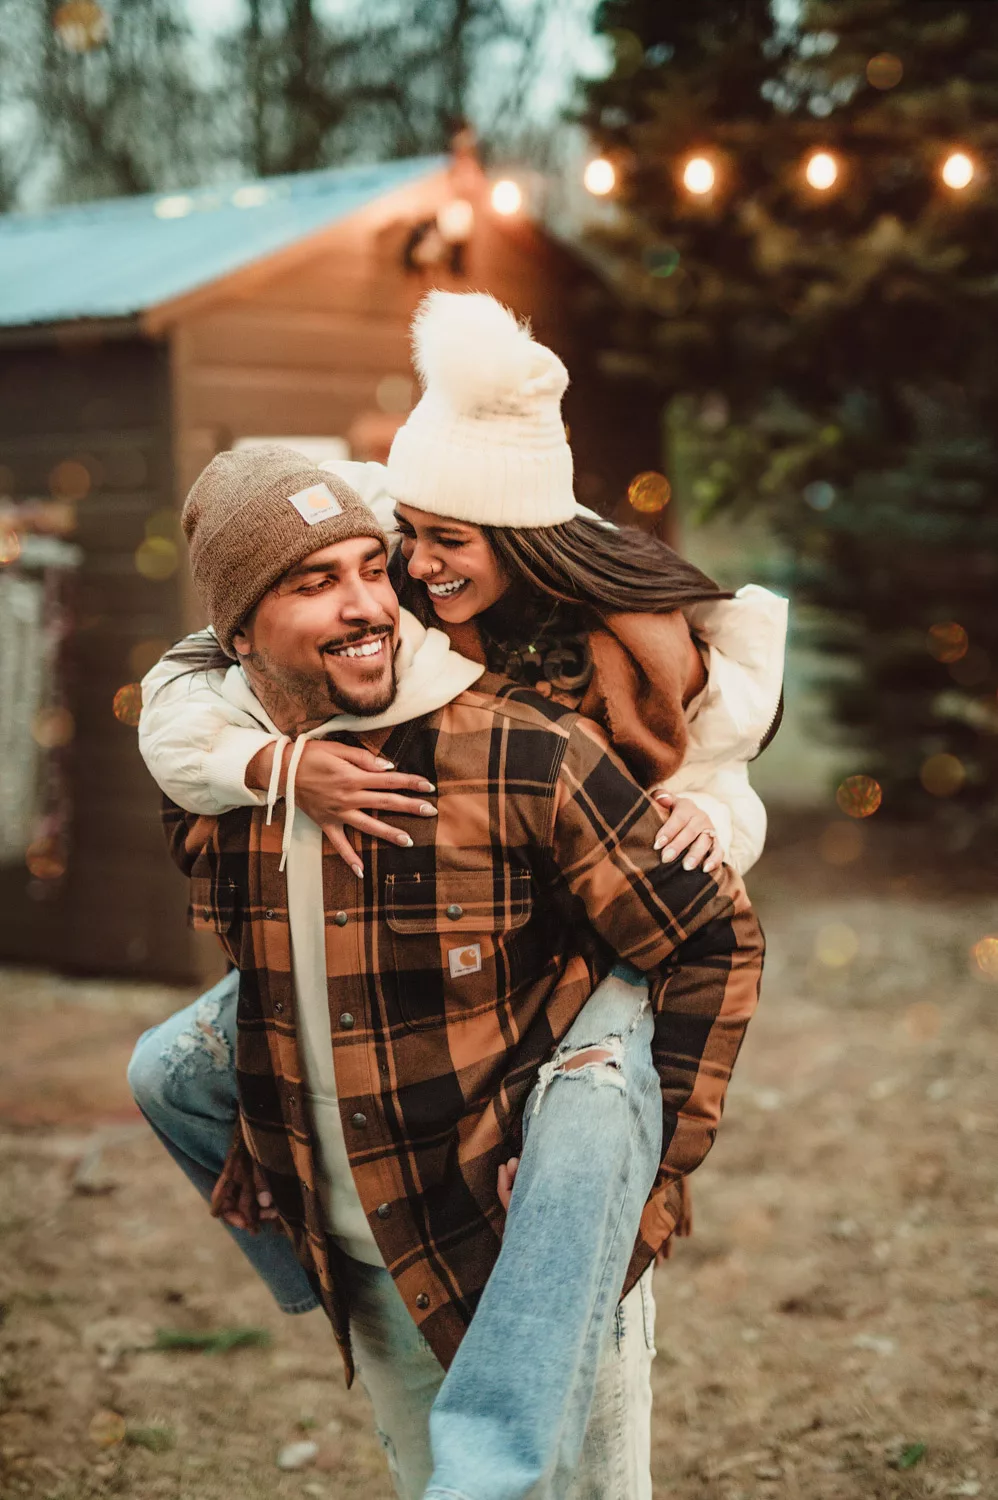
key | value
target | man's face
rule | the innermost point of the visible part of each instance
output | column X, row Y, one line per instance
column 323, row 639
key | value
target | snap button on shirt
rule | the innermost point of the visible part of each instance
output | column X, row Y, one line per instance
column 347, row 1021
column 454, row 911
column 341, row 919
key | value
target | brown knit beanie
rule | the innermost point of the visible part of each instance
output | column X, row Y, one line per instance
column 251, row 516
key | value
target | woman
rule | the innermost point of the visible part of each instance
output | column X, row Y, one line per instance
column 495, row 550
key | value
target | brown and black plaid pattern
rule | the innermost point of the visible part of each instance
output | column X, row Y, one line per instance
column 455, row 969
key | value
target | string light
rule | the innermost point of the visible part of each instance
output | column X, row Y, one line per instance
column 699, row 176
column 859, row 796
column 600, row 177
column 822, row 171
column 958, row 170
column 507, row 197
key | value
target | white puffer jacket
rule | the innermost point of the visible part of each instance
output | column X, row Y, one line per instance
column 197, row 739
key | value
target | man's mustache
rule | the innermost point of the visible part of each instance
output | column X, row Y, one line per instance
column 365, row 634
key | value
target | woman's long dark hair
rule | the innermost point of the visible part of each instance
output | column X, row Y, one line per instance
column 598, row 569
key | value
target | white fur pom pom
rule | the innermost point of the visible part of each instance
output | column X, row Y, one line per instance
column 470, row 348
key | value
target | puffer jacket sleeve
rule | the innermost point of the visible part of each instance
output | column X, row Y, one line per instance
column 745, row 639
column 197, row 741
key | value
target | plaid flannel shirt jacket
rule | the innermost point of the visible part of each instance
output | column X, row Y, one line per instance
column 455, row 968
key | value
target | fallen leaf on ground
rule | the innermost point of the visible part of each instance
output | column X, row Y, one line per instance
column 107, row 1428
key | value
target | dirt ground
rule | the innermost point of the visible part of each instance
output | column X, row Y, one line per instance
column 831, row 1330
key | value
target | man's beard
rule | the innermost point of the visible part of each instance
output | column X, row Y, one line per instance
column 310, row 698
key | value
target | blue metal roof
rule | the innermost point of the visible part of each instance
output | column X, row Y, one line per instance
column 119, row 257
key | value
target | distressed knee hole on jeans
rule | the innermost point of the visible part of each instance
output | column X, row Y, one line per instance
column 203, row 1045
column 600, row 1063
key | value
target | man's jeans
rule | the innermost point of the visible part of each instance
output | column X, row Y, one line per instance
column 552, row 1378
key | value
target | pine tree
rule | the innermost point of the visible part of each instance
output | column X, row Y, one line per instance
column 847, row 335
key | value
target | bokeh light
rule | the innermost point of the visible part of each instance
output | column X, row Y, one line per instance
column 649, row 492
column 947, row 641
column 507, row 197
column 985, row 957
column 835, row 945
column 600, row 177
column 699, row 175
column 144, row 655
column 819, row 494
column 81, row 25
column 884, row 71
column 859, row 796
column 394, row 395
column 46, row 859
column 958, row 170
column 822, row 170
column 156, row 558
column 714, row 412
column 127, row 704
column 942, row 775
column 174, row 206
column 628, row 52
column 52, row 728
column 842, row 843
column 922, row 1021
column 660, row 260
column 70, row 480
column 10, row 546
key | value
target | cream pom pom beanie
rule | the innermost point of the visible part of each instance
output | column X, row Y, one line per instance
column 486, row 443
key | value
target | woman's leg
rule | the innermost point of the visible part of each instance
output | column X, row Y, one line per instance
column 397, row 1368
column 183, row 1078
column 514, row 1407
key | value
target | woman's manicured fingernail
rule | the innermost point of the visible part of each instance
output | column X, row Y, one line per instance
column 405, row 841
column 427, row 809
column 427, row 786
column 667, row 854
column 658, row 841
column 689, row 864
column 358, row 870
column 385, row 765
column 264, row 1200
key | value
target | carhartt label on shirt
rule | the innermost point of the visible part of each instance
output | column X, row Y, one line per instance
column 465, row 960
column 317, row 503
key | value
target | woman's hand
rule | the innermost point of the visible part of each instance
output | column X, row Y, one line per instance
column 507, row 1176
column 240, row 1196
column 689, row 828
column 336, row 782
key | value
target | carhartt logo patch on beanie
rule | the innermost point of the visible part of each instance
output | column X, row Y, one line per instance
column 254, row 514
column 486, row 443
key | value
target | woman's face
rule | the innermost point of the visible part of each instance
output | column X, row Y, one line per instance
column 455, row 562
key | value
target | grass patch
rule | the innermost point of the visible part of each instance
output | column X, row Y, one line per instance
column 211, row 1340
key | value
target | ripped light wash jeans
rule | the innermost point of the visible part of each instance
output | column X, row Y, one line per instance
column 549, row 1395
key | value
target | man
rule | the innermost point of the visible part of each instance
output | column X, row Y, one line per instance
column 391, row 1031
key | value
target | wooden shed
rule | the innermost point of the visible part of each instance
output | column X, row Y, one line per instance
column 138, row 338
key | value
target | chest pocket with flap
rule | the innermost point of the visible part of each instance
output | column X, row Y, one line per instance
column 459, row 941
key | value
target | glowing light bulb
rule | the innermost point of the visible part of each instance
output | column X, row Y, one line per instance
column 958, row 170
column 822, row 170
column 699, row 175
column 600, row 177
column 507, row 197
